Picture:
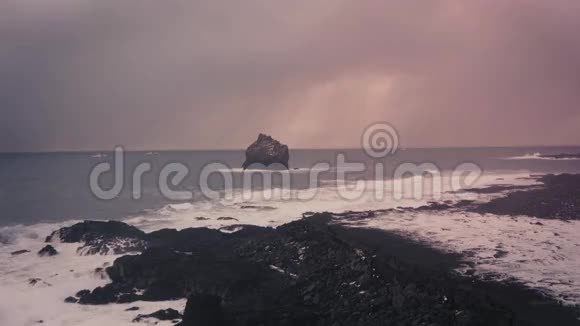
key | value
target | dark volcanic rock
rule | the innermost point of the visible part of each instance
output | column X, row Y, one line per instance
column 71, row 300
column 19, row 252
column 201, row 218
column 266, row 150
column 166, row 314
column 36, row 281
column 498, row 188
column 561, row 156
column 265, row 208
column 203, row 310
column 82, row 293
column 227, row 218
column 48, row 250
column 313, row 272
column 99, row 237
column 558, row 198
column 301, row 273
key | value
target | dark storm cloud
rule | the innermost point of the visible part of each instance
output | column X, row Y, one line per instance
column 211, row 74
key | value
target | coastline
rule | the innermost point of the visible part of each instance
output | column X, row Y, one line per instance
column 411, row 281
column 530, row 307
column 376, row 274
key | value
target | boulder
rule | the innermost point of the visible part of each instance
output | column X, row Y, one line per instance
column 89, row 230
column 71, row 300
column 48, row 250
column 102, row 237
column 266, row 150
column 166, row 314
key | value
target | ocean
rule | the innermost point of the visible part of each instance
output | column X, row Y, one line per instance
column 54, row 187
column 42, row 192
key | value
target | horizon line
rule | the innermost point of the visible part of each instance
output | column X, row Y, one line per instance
column 63, row 151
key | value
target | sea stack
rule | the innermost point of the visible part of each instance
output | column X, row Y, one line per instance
column 266, row 150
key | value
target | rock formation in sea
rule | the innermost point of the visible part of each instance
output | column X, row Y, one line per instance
column 48, row 251
column 266, row 150
column 101, row 237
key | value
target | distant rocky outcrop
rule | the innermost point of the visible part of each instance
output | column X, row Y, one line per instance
column 266, row 150
column 561, row 156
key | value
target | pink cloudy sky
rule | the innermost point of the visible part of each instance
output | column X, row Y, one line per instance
column 150, row 74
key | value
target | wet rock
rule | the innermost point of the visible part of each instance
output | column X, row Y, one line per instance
column 227, row 218
column 100, row 273
column 266, row 150
column 71, row 300
column 306, row 272
column 500, row 254
column 264, row 208
column 102, row 295
column 48, row 250
column 102, row 237
column 88, row 230
column 19, row 252
column 38, row 281
column 201, row 218
column 82, row 293
column 434, row 206
column 165, row 314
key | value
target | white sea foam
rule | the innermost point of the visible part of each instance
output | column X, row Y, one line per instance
column 538, row 156
column 60, row 276
column 546, row 257
column 534, row 254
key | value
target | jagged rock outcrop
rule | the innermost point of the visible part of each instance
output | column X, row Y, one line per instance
column 102, row 237
column 267, row 150
column 301, row 273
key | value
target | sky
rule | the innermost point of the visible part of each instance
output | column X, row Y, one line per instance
column 212, row 74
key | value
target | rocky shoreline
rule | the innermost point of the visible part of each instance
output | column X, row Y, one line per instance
column 557, row 198
column 315, row 271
